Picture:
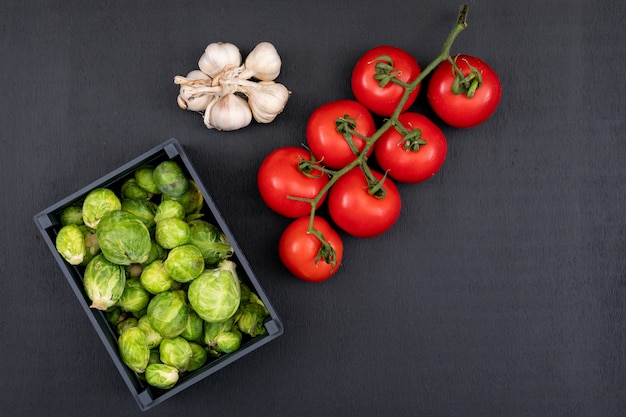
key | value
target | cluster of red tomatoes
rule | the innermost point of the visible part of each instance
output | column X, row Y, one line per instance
column 361, row 201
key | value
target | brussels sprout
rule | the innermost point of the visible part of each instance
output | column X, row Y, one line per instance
column 126, row 324
column 157, row 252
column 161, row 375
column 70, row 243
column 131, row 190
column 145, row 180
column 251, row 319
column 133, row 270
column 72, row 215
column 99, row 202
column 198, row 357
column 155, row 279
column 170, row 179
column 228, row 342
column 212, row 330
column 215, row 294
column 115, row 315
column 134, row 298
column 155, row 357
column 153, row 338
column 134, row 349
column 169, row 209
column 123, row 238
column 176, row 352
column 191, row 200
column 104, row 282
column 143, row 209
column 210, row 240
column 168, row 313
column 92, row 247
column 171, row 232
column 194, row 328
column 184, row 263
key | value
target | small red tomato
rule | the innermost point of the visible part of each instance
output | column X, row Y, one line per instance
column 464, row 100
column 360, row 213
column 324, row 136
column 380, row 64
column 280, row 176
column 415, row 157
column 300, row 252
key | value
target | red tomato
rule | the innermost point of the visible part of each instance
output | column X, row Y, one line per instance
column 298, row 250
column 459, row 110
column 412, row 159
column 279, row 176
column 367, row 90
column 358, row 212
column 324, row 138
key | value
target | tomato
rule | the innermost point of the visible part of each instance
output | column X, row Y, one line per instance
column 298, row 250
column 383, row 101
column 459, row 110
column 279, row 176
column 326, row 141
column 413, row 158
column 358, row 212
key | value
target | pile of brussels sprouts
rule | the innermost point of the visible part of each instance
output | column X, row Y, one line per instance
column 161, row 273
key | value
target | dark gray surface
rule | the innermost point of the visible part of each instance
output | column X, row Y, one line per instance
column 499, row 292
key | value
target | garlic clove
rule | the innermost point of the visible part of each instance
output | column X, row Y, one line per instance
column 267, row 101
column 217, row 56
column 262, row 63
column 207, row 112
column 230, row 112
column 189, row 95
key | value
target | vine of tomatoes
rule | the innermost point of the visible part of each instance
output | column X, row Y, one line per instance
column 343, row 139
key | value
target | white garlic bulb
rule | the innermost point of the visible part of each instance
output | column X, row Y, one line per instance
column 262, row 63
column 217, row 56
column 188, row 97
column 267, row 100
column 229, row 112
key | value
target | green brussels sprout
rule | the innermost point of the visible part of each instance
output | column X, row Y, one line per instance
column 168, row 313
column 144, row 178
column 169, row 209
column 194, row 328
column 215, row 294
column 198, row 357
column 126, row 324
column 155, row 356
column 70, row 243
column 115, row 315
column 72, row 215
column 92, row 247
column 191, row 200
column 153, row 338
column 171, row 232
column 228, row 342
column 155, row 279
column 143, row 209
column 123, row 238
column 104, row 282
column 157, row 252
column 170, row 179
column 184, row 263
column 251, row 319
column 161, row 375
column 134, row 298
column 176, row 352
column 212, row 330
column 210, row 240
column 133, row 270
column 134, row 349
column 99, row 202
column 131, row 190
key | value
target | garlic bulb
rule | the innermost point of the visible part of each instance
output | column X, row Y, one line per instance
column 188, row 97
column 262, row 63
column 229, row 112
column 217, row 56
column 267, row 100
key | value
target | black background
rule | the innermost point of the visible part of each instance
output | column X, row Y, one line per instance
column 500, row 291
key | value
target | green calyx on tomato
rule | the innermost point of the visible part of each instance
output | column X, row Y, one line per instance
column 411, row 139
column 385, row 72
column 465, row 84
column 346, row 125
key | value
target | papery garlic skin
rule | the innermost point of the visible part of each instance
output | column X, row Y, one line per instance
column 262, row 63
column 217, row 56
column 267, row 100
column 188, row 99
column 207, row 112
column 230, row 112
